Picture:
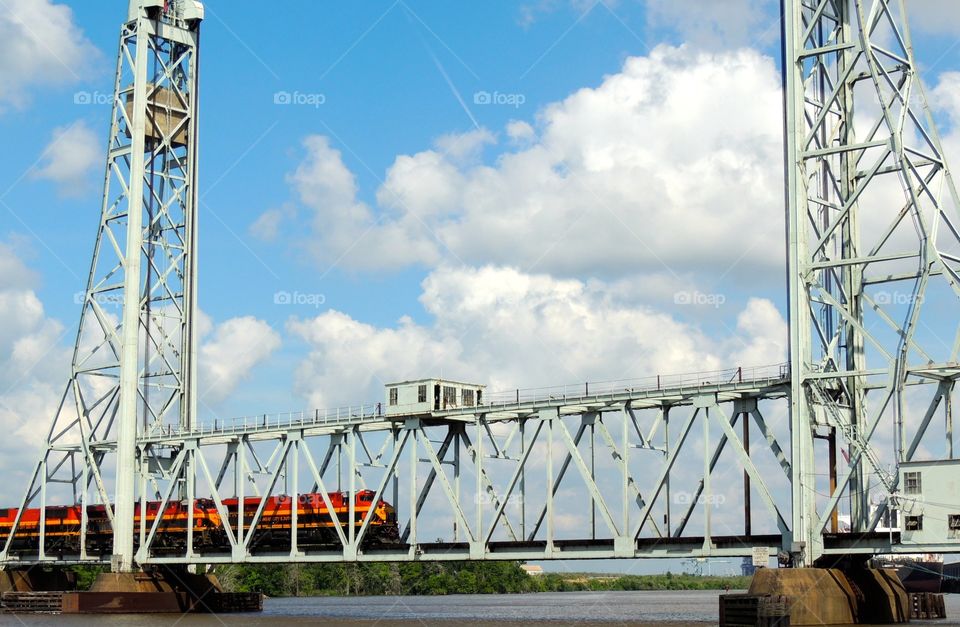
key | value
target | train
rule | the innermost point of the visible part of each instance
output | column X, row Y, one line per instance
column 316, row 524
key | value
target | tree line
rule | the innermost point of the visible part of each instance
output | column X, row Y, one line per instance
column 438, row 578
column 430, row 578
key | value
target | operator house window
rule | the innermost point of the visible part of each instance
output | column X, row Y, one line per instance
column 422, row 394
column 953, row 522
column 914, row 523
column 911, row 483
column 467, row 398
column 393, row 396
column 449, row 396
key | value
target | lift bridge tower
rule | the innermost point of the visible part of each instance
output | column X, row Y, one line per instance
column 134, row 361
column 873, row 262
column 873, row 282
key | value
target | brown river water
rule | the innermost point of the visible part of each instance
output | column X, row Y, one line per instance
column 504, row 610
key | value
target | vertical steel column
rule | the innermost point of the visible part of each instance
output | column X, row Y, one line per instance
column 190, row 478
column 801, row 441
column 412, row 443
column 523, row 479
column 593, row 476
column 625, row 483
column 666, row 455
column 478, row 462
column 747, row 522
column 550, row 519
column 240, row 468
column 122, row 559
column 395, row 433
column 295, row 496
column 352, row 463
column 456, row 481
column 707, row 491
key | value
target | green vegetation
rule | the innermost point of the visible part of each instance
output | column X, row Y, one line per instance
column 423, row 578
column 86, row 575
column 431, row 578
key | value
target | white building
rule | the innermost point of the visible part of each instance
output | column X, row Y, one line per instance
column 930, row 502
column 427, row 396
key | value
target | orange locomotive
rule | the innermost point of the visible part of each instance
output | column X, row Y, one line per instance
column 315, row 524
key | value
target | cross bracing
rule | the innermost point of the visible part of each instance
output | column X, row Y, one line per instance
column 657, row 468
column 873, row 251
column 488, row 482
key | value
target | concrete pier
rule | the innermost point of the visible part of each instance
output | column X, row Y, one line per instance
column 828, row 596
column 158, row 591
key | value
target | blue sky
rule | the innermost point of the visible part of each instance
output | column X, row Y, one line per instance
column 627, row 166
column 389, row 75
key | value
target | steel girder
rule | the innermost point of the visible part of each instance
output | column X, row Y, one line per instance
column 588, row 476
column 872, row 255
column 133, row 367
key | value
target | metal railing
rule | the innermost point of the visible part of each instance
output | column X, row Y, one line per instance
column 588, row 391
column 606, row 389
column 268, row 422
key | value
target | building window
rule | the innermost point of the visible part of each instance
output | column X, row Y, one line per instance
column 466, row 398
column 422, row 394
column 911, row 483
column 449, row 396
column 393, row 396
column 953, row 522
column 913, row 523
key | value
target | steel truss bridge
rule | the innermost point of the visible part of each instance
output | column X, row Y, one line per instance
column 662, row 467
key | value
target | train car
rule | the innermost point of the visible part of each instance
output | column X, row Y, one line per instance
column 315, row 524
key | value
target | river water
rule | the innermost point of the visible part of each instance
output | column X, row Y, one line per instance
column 502, row 610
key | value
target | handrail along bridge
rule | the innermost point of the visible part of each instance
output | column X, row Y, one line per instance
column 662, row 467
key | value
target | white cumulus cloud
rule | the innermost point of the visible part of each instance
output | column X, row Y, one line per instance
column 715, row 24
column 42, row 46
column 505, row 328
column 70, row 157
column 34, row 362
column 229, row 353
column 657, row 169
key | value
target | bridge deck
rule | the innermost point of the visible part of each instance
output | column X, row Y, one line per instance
column 767, row 382
column 732, row 546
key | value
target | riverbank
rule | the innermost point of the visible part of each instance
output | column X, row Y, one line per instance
column 446, row 578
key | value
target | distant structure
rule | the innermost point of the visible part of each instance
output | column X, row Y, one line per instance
column 532, row 569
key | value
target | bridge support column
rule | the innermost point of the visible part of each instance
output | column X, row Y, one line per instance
column 831, row 596
column 162, row 590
